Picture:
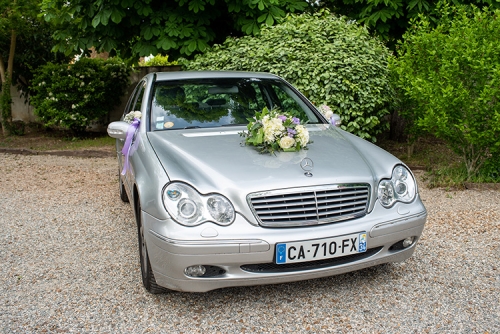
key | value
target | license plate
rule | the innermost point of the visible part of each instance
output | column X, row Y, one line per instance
column 320, row 249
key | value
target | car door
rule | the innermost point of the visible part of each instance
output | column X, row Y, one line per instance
column 134, row 104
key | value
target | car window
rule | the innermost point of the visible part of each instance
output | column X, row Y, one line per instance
column 136, row 98
column 219, row 102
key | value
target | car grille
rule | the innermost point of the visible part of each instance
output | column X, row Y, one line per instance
column 310, row 206
column 310, row 265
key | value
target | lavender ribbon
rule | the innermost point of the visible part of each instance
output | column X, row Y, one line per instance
column 127, row 149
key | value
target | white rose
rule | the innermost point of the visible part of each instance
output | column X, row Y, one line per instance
column 287, row 142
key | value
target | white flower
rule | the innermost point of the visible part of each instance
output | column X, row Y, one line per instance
column 131, row 115
column 273, row 127
column 302, row 135
column 287, row 142
column 326, row 111
column 82, row 84
column 73, row 106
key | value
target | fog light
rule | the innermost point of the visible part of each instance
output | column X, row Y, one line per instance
column 195, row 271
column 408, row 242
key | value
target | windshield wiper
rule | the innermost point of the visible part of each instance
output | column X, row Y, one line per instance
column 192, row 127
column 234, row 124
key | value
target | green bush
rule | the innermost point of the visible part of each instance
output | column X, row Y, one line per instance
column 451, row 74
column 158, row 60
column 73, row 96
column 331, row 60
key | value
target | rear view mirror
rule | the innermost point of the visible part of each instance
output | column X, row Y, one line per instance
column 223, row 90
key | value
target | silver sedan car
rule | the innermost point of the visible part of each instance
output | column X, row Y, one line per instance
column 213, row 211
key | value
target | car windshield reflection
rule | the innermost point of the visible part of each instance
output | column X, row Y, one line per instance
column 221, row 102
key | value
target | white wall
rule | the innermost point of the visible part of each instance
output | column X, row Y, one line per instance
column 21, row 111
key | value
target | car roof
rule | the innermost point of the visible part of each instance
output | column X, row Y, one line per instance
column 181, row 75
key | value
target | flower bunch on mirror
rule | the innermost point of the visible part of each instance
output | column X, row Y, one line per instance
column 129, row 118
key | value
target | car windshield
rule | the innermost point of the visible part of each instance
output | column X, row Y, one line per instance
column 219, row 102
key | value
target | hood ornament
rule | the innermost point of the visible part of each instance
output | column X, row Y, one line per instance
column 307, row 165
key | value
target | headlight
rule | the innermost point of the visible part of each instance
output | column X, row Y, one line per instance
column 401, row 187
column 190, row 208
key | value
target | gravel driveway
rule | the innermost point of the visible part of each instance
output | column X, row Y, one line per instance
column 70, row 264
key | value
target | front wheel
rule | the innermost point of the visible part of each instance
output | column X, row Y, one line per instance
column 148, row 278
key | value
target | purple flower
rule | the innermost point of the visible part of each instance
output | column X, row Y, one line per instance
column 282, row 117
column 295, row 120
column 291, row 132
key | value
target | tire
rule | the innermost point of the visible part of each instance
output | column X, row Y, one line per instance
column 123, row 193
column 148, row 278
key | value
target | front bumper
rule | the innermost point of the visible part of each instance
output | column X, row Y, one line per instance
column 172, row 248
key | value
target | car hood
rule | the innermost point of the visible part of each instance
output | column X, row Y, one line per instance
column 214, row 160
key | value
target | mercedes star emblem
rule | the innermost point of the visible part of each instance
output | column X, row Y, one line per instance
column 307, row 165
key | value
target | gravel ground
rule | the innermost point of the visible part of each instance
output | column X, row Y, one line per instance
column 70, row 264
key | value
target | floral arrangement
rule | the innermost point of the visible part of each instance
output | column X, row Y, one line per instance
column 129, row 118
column 326, row 111
column 334, row 120
column 272, row 130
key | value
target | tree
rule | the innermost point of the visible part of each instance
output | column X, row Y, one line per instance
column 25, row 43
column 389, row 19
column 10, row 24
column 451, row 75
column 144, row 27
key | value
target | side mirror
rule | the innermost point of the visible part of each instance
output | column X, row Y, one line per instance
column 118, row 129
column 335, row 120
